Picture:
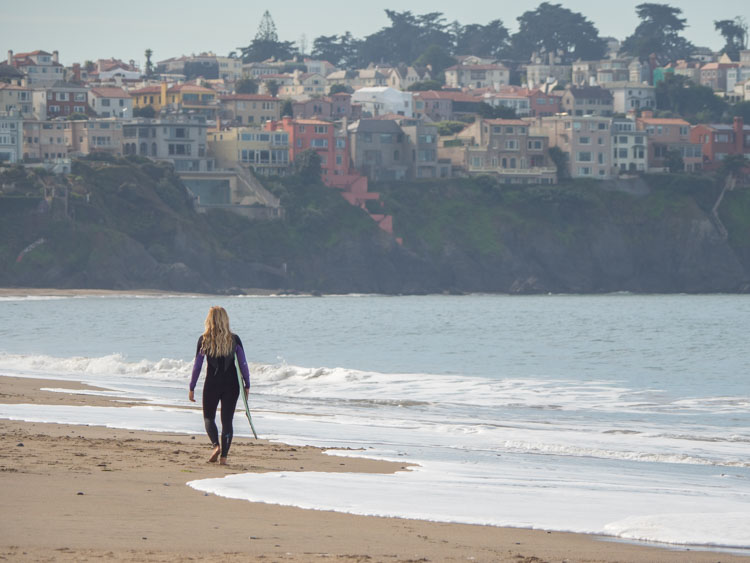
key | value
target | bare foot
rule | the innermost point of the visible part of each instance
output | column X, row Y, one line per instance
column 215, row 454
column 223, row 461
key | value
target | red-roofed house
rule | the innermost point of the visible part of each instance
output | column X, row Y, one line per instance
column 719, row 140
column 111, row 102
column 666, row 135
column 444, row 105
column 41, row 68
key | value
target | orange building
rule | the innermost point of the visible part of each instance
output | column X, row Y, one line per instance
column 320, row 136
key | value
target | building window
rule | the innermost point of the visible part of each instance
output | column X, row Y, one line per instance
column 584, row 157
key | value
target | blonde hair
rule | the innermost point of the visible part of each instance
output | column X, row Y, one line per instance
column 217, row 338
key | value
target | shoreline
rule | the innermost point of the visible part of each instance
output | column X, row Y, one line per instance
column 102, row 492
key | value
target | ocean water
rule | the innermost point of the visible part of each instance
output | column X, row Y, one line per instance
column 621, row 415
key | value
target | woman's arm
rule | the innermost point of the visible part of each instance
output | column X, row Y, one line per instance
column 242, row 361
column 197, row 365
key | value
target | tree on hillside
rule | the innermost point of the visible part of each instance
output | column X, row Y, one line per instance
column 339, row 50
column 437, row 59
column 149, row 65
column 674, row 161
column 425, row 85
column 406, row 38
column 734, row 33
column 194, row 69
column 287, row 109
column 554, row 29
column 266, row 43
column 561, row 161
column 273, row 87
column 742, row 109
column 658, row 34
column 491, row 40
column 337, row 89
column 307, row 165
column 679, row 95
column 246, row 85
column 146, row 111
column 496, row 112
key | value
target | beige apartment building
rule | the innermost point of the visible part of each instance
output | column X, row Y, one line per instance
column 506, row 148
column 587, row 140
column 17, row 98
column 83, row 137
column 249, row 109
column 44, row 140
column 266, row 153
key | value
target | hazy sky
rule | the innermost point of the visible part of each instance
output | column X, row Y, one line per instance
column 86, row 29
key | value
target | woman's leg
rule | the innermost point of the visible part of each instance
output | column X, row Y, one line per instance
column 210, row 402
column 228, row 404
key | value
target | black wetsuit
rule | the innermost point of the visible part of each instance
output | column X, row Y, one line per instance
column 221, row 386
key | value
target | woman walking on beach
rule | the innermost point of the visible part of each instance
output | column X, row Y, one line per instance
column 219, row 345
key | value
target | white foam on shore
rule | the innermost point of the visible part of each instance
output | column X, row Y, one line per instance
column 435, row 492
column 720, row 529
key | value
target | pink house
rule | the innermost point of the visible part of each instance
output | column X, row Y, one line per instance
column 332, row 147
column 320, row 136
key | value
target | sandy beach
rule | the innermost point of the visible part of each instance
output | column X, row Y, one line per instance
column 80, row 493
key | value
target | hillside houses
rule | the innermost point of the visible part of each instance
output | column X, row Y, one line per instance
column 489, row 117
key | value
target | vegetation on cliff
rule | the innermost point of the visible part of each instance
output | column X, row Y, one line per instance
column 130, row 223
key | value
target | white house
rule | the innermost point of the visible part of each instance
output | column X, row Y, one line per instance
column 477, row 76
column 630, row 96
column 381, row 100
column 111, row 102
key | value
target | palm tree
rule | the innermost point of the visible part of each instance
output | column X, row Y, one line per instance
column 149, row 65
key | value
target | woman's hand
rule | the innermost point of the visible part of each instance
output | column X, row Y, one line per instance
column 247, row 392
column 191, row 395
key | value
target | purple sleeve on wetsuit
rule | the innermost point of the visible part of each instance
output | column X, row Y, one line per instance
column 197, row 365
column 243, row 364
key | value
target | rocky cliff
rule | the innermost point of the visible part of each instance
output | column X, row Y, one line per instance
column 128, row 224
